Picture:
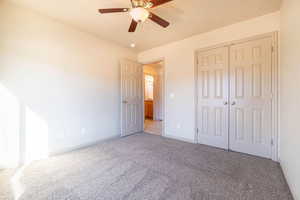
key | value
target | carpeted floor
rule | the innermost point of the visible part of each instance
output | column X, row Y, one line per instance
column 147, row 167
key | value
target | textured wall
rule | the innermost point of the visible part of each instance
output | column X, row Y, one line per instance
column 290, row 93
column 66, row 82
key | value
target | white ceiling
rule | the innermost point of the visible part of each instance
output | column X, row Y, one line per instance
column 187, row 18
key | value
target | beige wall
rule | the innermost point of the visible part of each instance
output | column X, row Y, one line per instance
column 66, row 82
column 290, row 93
column 180, row 69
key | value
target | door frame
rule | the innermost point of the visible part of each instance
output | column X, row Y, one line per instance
column 275, row 86
column 163, row 91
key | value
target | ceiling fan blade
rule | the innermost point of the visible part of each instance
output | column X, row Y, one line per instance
column 159, row 20
column 113, row 10
column 159, row 2
column 133, row 26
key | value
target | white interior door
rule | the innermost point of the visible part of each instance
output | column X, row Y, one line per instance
column 213, row 97
column 251, row 97
column 131, row 97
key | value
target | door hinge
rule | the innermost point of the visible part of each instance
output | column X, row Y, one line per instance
column 272, row 49
column 272, row 142
column 197, row 130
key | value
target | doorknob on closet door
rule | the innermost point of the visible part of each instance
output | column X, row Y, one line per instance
column 225, row 103
column 233, row 103
column 125, row 101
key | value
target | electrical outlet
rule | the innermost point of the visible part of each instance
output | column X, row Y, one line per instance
column 65, row 133
column 172, row 96
column 61, row 135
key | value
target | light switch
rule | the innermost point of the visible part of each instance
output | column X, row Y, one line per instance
column 83, row 131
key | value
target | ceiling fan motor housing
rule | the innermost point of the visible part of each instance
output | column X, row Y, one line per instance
column 141, row 3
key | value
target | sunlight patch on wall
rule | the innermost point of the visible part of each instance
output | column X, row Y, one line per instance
column 36, row 142
column 9, row 128
column 23, row 133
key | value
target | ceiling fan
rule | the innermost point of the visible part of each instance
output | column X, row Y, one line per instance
column 140, row 12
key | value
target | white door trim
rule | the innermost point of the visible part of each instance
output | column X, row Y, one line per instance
column 275, row 85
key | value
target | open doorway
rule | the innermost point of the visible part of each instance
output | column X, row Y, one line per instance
column 153, row 76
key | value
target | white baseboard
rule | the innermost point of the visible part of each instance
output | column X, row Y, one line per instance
column 2, row 167
column 82, row 146
column 179, row 138
column 8, row 166
column 287, row 179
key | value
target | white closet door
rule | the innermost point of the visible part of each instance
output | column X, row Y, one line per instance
column 131, row 97
column 251, row 97
column 212, row 97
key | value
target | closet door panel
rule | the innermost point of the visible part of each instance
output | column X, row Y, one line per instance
column 213, row 97
column 251, row 97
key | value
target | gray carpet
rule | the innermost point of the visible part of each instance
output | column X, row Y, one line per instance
column 148, row 167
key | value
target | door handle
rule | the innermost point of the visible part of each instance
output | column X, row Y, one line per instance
column 233, row 103
column 124, row 101
column 225, row 103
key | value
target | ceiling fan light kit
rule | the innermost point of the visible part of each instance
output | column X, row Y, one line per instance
column 140, row 12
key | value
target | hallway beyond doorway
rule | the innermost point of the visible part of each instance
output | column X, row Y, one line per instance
column 153, row 126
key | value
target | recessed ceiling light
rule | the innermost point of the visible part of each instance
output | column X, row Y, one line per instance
column 132, row 45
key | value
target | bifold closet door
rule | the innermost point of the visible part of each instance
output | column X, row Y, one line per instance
column 213, row 97
column 251, row 97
